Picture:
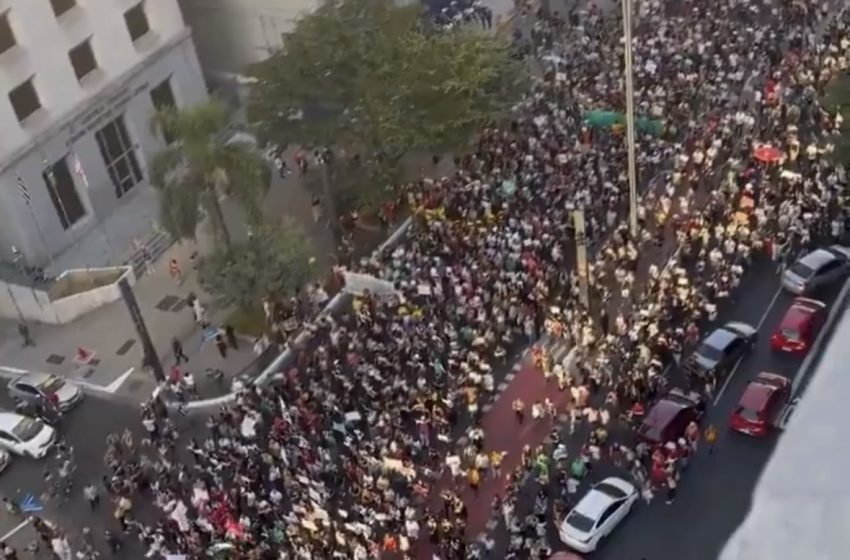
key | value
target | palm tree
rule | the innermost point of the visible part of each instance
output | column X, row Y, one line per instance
column 198, row 169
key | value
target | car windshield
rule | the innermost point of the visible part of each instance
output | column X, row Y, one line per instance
column 52, row 384
column 748, row 414
column 790, row 334
column 801, row 270
column 580, row 522
column 27, row 429
column 709, row 353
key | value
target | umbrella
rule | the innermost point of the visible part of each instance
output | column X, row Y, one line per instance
column 767, row 154
column 564, row 555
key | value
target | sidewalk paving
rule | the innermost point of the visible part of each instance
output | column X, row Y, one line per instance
column 110, row 334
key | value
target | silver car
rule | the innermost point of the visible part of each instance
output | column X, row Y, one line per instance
column 816, row 270
column 38, row 388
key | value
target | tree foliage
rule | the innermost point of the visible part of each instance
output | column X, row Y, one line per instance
column 272, row 262
column 197, row 168
column 367, row 76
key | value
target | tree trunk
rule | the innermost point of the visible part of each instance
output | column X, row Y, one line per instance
column 217, row 218
column 330, row 201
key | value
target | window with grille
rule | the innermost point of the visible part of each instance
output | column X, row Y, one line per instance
column 162, row 97
column 62, row 6
column 137, row 21
column 82, row 59
column 24, row 100
column 63, row 193
column 119, row 156
column 7, row 36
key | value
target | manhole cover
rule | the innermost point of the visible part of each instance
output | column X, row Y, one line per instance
column 167, row 303
column 181, row 305
column 124, row 348
column 94, row 362
column 55, row 359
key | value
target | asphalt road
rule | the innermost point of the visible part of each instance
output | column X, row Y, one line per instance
column 85, row 429
column 715, row 491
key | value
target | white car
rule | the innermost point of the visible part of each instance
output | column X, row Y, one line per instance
column 5, row 459
column 25, row 436
column 597, row 513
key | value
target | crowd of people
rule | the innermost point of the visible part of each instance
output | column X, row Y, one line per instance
column 342, row 456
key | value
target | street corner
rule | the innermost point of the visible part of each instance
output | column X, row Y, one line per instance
column 17, row 532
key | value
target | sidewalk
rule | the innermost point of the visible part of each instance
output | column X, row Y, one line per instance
column 110, row 334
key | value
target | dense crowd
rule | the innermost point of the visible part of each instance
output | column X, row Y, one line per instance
column 341, row 456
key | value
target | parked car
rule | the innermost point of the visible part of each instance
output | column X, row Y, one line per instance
column 761, row 404
column 817, row 270
column 38, row 388
column 721, row 350
column 800, row 326
column 5, row 459
column 25, row 436
column 668, row 418
column 597, row 513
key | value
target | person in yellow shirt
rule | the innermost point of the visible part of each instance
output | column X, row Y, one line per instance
column 710, row 438
column 496, row 463
column 473, row 477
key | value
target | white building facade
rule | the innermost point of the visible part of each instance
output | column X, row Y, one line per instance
column 80, row 81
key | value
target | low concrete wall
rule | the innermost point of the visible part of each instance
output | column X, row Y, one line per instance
column 32, row 304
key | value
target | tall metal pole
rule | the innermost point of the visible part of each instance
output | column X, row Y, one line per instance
column 581, row 258
column 151, row 358
column 630, row 116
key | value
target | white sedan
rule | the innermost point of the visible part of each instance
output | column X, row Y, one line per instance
column 25, row 436
column 597, row 513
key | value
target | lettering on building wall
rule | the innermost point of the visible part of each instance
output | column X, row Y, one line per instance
column 110, row 108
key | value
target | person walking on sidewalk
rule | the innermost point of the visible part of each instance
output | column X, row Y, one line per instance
column 177, row 347
column 175, row 272
column 24, row 331
column 221, row 344
column 519, row 410
column 230, row 333
column 8, row 552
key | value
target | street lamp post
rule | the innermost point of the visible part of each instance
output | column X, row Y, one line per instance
column 630, row 116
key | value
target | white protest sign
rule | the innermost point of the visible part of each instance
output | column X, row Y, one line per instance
column 357, row 284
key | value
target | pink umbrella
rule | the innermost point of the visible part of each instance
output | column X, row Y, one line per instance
column 767, row 154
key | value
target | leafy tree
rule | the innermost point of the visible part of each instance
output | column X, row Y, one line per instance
column 367, row 77
column 272, row 262
column 198, row 168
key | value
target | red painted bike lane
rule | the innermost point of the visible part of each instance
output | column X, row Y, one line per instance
column 503, row 433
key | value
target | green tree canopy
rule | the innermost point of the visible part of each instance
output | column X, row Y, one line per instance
column 368, row 76
column 272, row 262
column 198, row 168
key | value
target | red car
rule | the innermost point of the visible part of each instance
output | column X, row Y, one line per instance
column 760, row 405
column 669, row 417
column 800, row 326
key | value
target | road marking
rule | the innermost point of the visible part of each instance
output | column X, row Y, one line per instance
column 110, row 389
column 17, row 529
column 728, row 379
column 12, row 370
column 741, row 359
column 769, row 307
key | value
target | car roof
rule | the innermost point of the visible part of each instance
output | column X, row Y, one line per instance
column 798, row 315
column 756, row 395
column 9, row 420
column 33, row 378
column 663, row 412
column 818, row 258
column 721, row 338
column 593, row 503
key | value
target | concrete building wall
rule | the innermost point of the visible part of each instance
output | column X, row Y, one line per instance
column 231, row 34
column 73, row 111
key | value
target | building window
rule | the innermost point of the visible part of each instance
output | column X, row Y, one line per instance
column 62, row 6
column 24, row 100
column 137, row 21
column 63, row 193
column 82, row 59
column 163, row 99
column 119, row 156
column 7, row 36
